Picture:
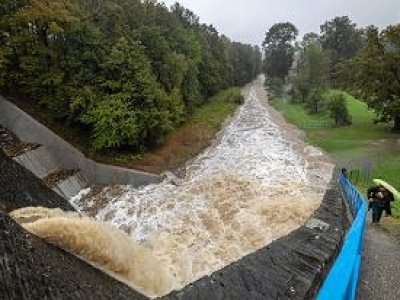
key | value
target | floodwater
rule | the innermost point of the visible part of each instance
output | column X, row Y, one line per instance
column 257, row 182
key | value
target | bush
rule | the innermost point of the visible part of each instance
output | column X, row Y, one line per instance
column 316, row 101
column 338, row 110
column 237, row 98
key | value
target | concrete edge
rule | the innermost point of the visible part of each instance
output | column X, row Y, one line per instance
column 67, row 156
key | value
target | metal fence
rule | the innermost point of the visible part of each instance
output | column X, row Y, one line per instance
column 342, row 280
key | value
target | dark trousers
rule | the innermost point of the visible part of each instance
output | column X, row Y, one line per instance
column 388, row 209
column 377, row 212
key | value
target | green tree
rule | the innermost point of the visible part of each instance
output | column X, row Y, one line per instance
column 310, row 38
column 34, row 31
column 313, row 68
column 341, row 37
column 129, row 109
column 279, row 49
column 316, row 101
column 376, row 73
column 337, row 109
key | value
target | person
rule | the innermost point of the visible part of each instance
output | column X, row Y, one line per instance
column 378, row 200
column 344, row 173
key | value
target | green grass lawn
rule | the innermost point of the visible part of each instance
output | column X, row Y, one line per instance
column 337, row 140
column 214, row 112
column 361, row 144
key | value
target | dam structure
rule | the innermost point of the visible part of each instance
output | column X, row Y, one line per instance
column 258, row 215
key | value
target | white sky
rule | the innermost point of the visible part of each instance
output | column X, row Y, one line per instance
column 247, row 21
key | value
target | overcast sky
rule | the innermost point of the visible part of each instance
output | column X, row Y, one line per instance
column 247, row 21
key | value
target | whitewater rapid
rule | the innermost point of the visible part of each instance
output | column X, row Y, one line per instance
column 257, row 182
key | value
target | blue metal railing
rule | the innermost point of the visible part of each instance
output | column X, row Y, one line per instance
column 342, row 280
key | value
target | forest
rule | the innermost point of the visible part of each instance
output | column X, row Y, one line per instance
column 365, row 62
column 126, row 72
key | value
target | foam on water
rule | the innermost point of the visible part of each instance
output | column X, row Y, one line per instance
column 255, row 184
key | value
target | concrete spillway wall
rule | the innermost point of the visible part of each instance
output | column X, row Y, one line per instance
column 292, row 267
column 67, row 156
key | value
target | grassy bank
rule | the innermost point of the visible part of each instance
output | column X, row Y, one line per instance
column 193, row 136
column 369, row 150
column 341, row 140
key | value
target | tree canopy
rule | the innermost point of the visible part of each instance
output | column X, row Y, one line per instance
column 376, row 72
column 341, row 37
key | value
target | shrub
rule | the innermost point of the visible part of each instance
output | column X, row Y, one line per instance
column 316, row 101
column 338, row 109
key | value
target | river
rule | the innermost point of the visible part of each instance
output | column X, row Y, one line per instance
column 257, row 182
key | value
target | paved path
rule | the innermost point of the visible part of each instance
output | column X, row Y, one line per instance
column 380, row 270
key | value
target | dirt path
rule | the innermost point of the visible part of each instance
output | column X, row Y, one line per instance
column 380, row 269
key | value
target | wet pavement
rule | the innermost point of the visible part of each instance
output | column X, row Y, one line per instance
column 380, row 268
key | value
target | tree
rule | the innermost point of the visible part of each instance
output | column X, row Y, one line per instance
column 310, row 38
column 33, row 32
column 313, row 68
column 338, row 109
column 124, row 71
column 376, row 73
column 316, row 101
column 129, row 109
column 341, row 38
column 279, row 49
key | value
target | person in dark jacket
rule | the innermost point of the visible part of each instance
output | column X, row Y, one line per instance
column 379, row 200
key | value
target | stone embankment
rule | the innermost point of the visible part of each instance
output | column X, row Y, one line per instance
column 292, row 267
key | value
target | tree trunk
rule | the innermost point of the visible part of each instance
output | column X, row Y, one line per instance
column 396, row 126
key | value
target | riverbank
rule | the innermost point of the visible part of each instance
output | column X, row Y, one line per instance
column 185, row 142
column 189, row 140
column 366, row 147
column 368, row 150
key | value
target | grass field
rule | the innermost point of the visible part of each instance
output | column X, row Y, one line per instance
column 368, row 150
column 337, row 140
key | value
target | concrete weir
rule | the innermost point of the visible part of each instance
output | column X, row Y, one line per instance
column 274, row 172
column 63, row 153
column 292, row 267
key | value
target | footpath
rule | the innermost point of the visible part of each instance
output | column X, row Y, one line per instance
column 380, row 268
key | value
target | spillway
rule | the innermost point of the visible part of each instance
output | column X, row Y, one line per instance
column 257, row 182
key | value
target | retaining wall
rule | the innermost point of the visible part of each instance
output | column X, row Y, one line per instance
column 342, row 281
column 67, row 156
column 292, row 267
